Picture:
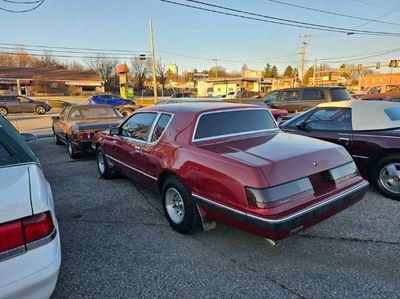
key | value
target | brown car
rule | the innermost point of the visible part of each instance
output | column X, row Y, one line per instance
column 76, row 126
column 386, row 96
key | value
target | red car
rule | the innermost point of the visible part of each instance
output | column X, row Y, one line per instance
column 230, row 163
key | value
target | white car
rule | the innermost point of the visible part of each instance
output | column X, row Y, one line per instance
column 30, row 251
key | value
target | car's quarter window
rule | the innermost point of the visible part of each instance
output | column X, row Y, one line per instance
column 138, row 126
column 313, row 94
column 233, row 122
column 6, row 158
column 330, row 119
column 393, row 113
column 160, row 127
column 290, row 95
column 340, row 94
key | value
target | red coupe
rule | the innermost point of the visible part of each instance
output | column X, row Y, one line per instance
column 230, row 163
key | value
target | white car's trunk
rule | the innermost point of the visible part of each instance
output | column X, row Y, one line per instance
column 15, row 193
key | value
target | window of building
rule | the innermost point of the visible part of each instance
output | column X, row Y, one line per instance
column 88, row 88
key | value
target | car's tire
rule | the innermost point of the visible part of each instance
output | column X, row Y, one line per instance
column 105, row 171
column 71, row 151
column 57, row 139
column 40, row 110
column 386, row 176
column 179, row 208
column 3, row 111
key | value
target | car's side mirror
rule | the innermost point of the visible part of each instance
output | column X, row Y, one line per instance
column 114, row 131
column 28, row 137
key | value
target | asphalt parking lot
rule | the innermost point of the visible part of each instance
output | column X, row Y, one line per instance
column 116, row 243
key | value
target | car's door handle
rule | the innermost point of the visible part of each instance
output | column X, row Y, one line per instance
column 344, row 140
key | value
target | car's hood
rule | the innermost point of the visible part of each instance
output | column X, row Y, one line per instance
column 15, row 199
column 283, row 157
column 97, row 124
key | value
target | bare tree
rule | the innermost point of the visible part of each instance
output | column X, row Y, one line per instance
column 161, row 74
column 75, row 66
column 105, row 67
column 140, row 69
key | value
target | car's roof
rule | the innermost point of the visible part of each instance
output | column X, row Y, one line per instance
column 367, row 115
column 91, row 106
column 198, row 108
column 312, row 87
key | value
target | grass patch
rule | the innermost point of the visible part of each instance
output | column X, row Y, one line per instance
column 58, row 104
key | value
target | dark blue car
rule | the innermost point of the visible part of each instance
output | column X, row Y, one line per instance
column 110, row 99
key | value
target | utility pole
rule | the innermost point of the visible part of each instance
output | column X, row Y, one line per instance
column 303, row 54
column 216, row 67
column 314, row 70
column 153, row 62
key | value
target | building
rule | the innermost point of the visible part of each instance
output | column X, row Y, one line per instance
column 41, row 81
column 380, row 80
column 330, row 78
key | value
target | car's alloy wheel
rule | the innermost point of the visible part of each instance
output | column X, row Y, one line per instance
column 174, row 205
column 3, row 111
column 386, row 176
column 106, row 172
column 179, row 207
column 40, row 110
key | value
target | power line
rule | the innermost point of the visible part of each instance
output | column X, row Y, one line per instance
column 331, row 12
column 72, row 48
column 64, row 56
column 25, row 10
column 275, row 20
column 376, row 5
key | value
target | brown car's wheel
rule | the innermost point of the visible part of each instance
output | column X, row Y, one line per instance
column 179, row 207
column 106, row 172
column 71, row 150
column 386, row 176
column 3, row 111
column 40, row 110
column 56, row 138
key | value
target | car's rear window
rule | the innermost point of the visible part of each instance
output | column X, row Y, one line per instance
column 340, row 94
column 93, row 112
column 229, row 123
column 393, row 113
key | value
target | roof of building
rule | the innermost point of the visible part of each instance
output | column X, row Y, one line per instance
column 223, row 80
column 13, row 73
column 368, row 115
column 381, row 75
column 382, row 95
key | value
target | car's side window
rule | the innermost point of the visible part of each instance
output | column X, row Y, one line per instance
column 23, row 100
column 75, row 115
column 395, row 100
column 138, row 126
column 271, row 97
column 160, row 126
column 313, row 95
column 290, row 96
column 330, row 119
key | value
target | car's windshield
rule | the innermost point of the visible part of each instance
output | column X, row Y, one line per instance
column 229, row 123
column 93, row 112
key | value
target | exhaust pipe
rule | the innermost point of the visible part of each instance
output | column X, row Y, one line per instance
column 272, row 242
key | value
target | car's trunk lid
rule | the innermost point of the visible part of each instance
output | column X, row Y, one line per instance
column 282, row 157
column 97, row 124
column 15, row 199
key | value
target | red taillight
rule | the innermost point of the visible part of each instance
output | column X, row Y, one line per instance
column 37, row 226
column 11, row 235
column 24, row 231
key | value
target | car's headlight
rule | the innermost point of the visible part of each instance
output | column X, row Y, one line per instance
column 277, row 195
column 343, row 173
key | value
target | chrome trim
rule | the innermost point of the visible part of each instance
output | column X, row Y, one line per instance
column 41, row 242
column 131, row 167
column 234, row 134
column 166, row 127
column 361, row 157
column 12, row 253
column 287, row 218
column 368, row 135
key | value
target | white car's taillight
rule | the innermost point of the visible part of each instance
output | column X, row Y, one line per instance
column 20, row 235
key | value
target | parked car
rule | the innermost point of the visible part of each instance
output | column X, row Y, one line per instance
column 387, row 96
column 369, row 130
column 183, row 95
column 16, row 104
column 376, row 89
column 76, row 126
column 110, row 99
column 230, row 163
column 304, row 98
column 187, row 100
column 30, row 251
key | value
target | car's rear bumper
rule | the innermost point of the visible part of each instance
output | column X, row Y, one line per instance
column 279, row 228
column 33, row 274
column 83, row 146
